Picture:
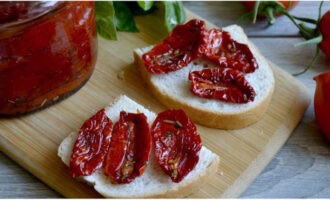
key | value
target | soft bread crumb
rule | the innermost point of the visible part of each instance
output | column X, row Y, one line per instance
column 173, row 90
column 154, row 182
column 177, row 84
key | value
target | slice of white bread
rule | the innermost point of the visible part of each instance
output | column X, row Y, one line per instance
column 154, row 182
column 173, row 90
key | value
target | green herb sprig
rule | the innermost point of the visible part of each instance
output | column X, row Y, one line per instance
column 119, row 16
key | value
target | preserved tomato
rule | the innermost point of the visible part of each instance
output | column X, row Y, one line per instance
column 226, row 52
column 12, row 11
column 129, row 148
column 224, row 84
column 91, row 145
column 176, row 143
column 47, row 51
column 184, row 44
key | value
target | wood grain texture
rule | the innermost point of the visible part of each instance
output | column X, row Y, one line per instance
column 32, row 141
column 300, row 169
column 17, row 183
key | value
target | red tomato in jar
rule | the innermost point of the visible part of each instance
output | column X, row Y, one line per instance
column 322, row 102
column 325, row 31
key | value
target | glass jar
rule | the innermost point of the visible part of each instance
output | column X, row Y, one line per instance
column 47, row 51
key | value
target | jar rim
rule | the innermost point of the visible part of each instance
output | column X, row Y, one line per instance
column 53, row 8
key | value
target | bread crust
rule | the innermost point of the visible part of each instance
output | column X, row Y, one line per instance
column 227, row 121
column 181, row 189
column 192, row 186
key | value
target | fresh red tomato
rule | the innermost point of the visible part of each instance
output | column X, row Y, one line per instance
column 176, row 143
column 322, row 102
column 185, row 43
column 91, row 145
column 269, row 9
column 288, row 5
column 226, row 52
column 129, row 149
column 224, row 84
column 325, row 31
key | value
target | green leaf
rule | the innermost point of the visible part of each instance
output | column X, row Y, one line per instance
column 179, row 11
column 105, row 19
column 174, row 14
column 145, row 5
column 124, row 17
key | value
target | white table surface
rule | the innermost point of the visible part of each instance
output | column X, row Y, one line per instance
column 300, row 169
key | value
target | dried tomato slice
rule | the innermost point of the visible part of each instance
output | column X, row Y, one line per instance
column 226, row 52
column 176, row 143
column 129, row 148
column 91, row 145
column 183, row 45
column 224, row 84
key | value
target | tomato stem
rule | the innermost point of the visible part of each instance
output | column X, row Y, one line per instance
column 278, row 5
column 309, row 33
column 320, row 11
column 244, row 17
column 303, row 19
column 269, row 11
column 310, row 65
column 290, row 17
column 305, row 31
column 255, row 12
column 315, row 40
column 312, row 35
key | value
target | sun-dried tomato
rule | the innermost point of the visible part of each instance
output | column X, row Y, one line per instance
column 91, row 145
column 129, row 149
column 224, row 84
column 176, row 143
column 184, row 44
column 226, row 52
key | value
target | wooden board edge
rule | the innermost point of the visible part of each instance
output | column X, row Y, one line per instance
column 18, row 158
column 23, row 161
column 246, row 177
column 263, row 159
column 276, row 141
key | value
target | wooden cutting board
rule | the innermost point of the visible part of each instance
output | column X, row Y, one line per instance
column 32, row 140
